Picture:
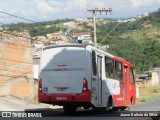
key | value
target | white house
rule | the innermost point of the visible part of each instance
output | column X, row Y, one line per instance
column 39, row 45
column 156, row 76
column 82, row 35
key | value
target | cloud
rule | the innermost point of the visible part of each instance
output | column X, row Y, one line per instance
column 144, row 3
column 44, row 6
column 44, row 10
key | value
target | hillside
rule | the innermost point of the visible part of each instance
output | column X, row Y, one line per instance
column 39, row 28
column 137, row 41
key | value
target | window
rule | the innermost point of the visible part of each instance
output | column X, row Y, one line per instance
column 118, row 70
column 109, row 67
column 94, row 67
column 131, row 76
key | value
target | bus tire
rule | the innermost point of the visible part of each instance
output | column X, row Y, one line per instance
column 109, row 107
column 69, row 109
column 131, row 104
column 86, row 107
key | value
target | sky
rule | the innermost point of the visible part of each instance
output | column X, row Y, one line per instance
column 49, row 10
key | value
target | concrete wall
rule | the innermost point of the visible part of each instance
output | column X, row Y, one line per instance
column 156, row 78
column 36, row 71
column 144, row 83
column 16, row 67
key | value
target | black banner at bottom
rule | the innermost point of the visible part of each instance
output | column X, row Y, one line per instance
column 87, row 113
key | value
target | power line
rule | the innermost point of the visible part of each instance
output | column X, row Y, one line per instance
column 110, row 32
column 22, row 73
column 17, row 61
column 2, row 23
column 15, row 35
column 13, row 70
column 94, row 11
column 14, row 47
column 4, row 17
column 22, row 46
column 12, row 33
column 11, row 76
column 18, row 17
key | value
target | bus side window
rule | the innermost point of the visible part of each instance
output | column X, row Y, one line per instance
column 132, row 76
column 109, row 67
column 118, row 70
column 94, row 67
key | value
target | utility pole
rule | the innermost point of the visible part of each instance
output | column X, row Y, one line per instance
column 94, row 11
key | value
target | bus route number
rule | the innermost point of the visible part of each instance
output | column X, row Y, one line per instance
column 61, row 98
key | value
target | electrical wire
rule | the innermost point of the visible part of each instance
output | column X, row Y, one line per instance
column 14, row 71
column 110, row 32
column 17, row 61
column 15, row 47
column 18, row 17
column 15, row 21
column 15, row 35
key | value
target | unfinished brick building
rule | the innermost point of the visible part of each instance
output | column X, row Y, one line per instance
column 16, row 74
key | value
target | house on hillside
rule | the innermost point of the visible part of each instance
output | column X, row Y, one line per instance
column 155, row 76
column 71, row 24
column 79, row 37
column 54, row 36
column 40, row 41
column 148, row 78
column 57, row 39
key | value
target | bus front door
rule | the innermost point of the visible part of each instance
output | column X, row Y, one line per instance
column 126, row 85
column 99, row 80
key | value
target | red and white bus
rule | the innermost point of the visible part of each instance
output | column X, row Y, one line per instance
column 75, row 76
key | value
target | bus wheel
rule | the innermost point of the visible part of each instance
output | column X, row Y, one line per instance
column 69, row 109
column 123, row 108
column 86, row 107
column 109, row 107
column 131, row 104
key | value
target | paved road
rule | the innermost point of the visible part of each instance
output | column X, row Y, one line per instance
column 58, row 113
column 101, row 115
column 151, row 106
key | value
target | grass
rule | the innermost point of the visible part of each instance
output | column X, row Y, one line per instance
column 147, row 99
column 139, row 34
column 148, row 93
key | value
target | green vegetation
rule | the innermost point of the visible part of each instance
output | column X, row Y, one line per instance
column 149, row 93
column 41, row 28
column 137, row 42
column 147, row 99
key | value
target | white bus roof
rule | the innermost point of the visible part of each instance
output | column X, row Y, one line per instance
column 67, row 45
column 80, row 45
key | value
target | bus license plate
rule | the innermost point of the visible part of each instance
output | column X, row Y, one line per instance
column 61, row 98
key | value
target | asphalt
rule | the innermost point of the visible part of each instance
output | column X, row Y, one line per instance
column 11, row 103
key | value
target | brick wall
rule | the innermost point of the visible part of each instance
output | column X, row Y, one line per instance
column 144, row 83
column 16, row 67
